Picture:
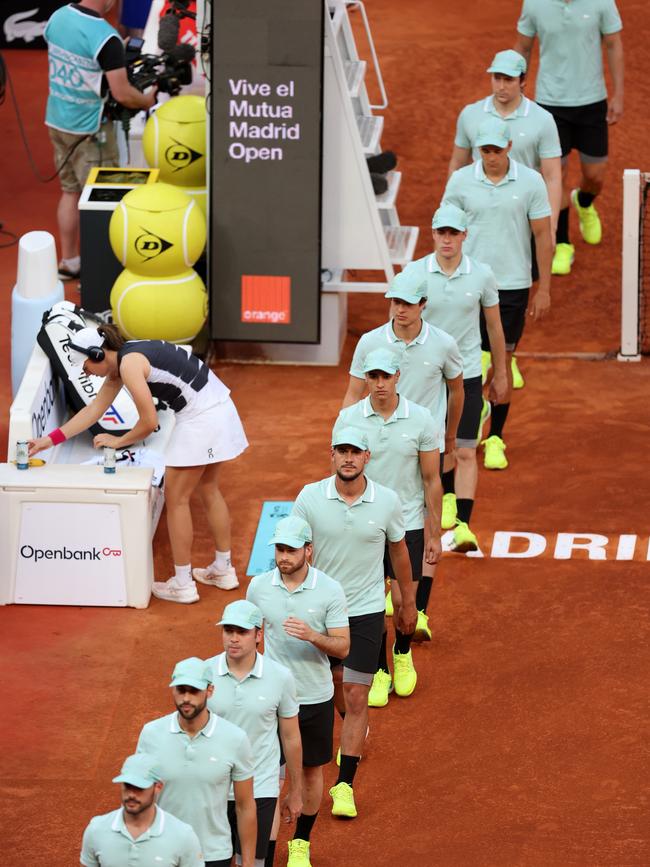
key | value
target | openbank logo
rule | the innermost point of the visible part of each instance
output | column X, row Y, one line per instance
column 28, row 552
column 265, row 299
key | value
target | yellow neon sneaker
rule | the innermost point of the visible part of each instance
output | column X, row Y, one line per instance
column 422, row 628
column 495, row 453
column 343, row 801
column 486, row 364
column 405, row 676
column 382, row 686
column 389, row 603
column 298, row 853
column 517, row 379
column 563, row 259
column 448, row 518
column 486, row 412
column 464, row 539
column 590, row 227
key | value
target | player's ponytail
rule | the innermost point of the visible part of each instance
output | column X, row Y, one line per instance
column 112, row 337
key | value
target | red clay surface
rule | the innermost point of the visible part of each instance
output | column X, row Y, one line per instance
column 525, row 742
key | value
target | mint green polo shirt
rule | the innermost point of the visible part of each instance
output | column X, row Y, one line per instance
column 349, row 540
column 425, row 363
column 267, row 693
column 320, row 602
column 395, row 445
column 107, row 842
column 532, row 128
column 498, row 215
column 454, row 303
column 570, row 47
column 198, row 773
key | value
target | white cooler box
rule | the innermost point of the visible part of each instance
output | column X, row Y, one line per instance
column 72, row 534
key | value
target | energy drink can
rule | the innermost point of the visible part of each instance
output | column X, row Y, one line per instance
column 22, row 455
column 109, row 459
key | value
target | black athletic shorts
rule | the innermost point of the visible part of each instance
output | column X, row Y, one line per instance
column 583, row 128
column 415, row 543
column 316, row 723
column 467, row 436
column 513, row 304
column 265, row 814
column 366, row 632
column 534, row 267
column 223, row 863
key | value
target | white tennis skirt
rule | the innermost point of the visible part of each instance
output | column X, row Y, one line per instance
column 212, row 436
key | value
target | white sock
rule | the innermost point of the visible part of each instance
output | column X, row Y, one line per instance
column 221, row 561
column 183, row 574
column 72, row 264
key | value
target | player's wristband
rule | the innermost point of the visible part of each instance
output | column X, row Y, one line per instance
column 57, row 436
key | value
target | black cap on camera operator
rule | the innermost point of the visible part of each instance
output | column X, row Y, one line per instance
column 86, row 58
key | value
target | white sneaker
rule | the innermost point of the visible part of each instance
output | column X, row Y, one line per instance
column 173, row 592
column 223, row 580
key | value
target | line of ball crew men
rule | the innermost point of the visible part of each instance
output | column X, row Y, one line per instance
column 205, row 781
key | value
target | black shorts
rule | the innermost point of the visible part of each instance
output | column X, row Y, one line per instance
column 513, row 304
column 534, row 267
column 583, row 128
column 316, row 723
column 226, row 862
column 366, row 633
column 265, row 814
column 415, row 544
column 467, row 436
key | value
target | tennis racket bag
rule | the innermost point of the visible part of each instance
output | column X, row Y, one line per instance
column 58, row 328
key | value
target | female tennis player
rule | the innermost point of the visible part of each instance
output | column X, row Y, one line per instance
column 207, row 432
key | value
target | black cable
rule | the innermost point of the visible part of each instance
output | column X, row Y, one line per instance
column 14, row 238
column 5, row 76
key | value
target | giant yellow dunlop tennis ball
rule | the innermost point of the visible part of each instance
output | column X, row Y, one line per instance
column 157, row 230
column 159, row 308
column 174, row 141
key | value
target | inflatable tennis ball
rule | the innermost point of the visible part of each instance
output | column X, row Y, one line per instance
column 174, row 141
column 200, row 197
column 157, row 230
column 159, row 308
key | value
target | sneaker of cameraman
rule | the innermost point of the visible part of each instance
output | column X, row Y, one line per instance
column 85, row 59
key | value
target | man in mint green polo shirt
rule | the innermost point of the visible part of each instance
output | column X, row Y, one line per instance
column 258, row 694
column 403, row 440
column 200, row 756
column 352, row 519
column 459, row 290
column 305, row 622
column 571, row 86
column 534, row 135
column 506, row 203
column 140, row 833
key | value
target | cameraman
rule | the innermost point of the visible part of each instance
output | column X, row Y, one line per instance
column 86, row 58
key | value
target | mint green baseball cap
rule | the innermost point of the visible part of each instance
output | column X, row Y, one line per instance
column 381, row 359
column 449, row 216
column 241, row 613
column 349, row 436
column 140, row 770
column 407, row 286
column 292, row 531
column 508, row 62
column 493, row 132
column 192, row 672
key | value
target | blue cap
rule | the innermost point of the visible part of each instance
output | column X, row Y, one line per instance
column 292, row 531
column 508, row 62
column 407, row 286
column 140, row 770
column 192, row 672
column 381, row 359
column 241, row 613
column 349, row 436
column 493, row 132
column 449, row 216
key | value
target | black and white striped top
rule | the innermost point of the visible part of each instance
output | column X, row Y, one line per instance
column 178, row 380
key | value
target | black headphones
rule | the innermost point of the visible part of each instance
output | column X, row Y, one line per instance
column 94, row 353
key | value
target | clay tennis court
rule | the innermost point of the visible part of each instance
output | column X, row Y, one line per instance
column 526, row 741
